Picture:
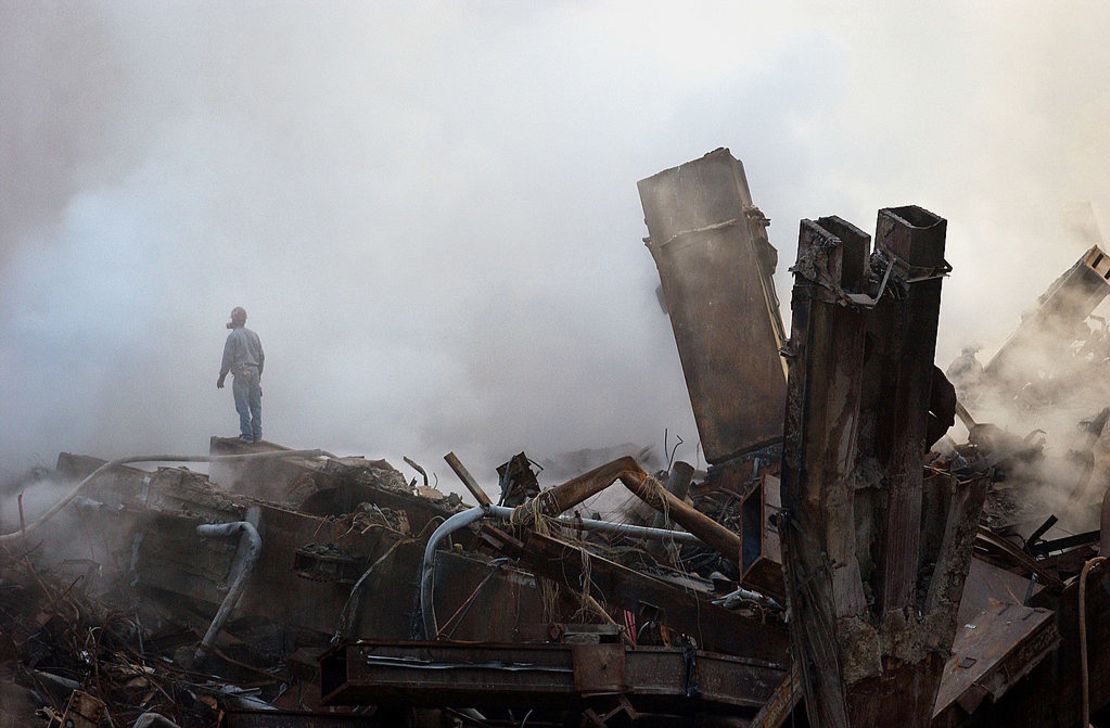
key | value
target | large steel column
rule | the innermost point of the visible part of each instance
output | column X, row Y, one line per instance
column 715, row 264
column 873, row 579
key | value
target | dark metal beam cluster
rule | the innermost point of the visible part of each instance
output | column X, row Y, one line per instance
column 875, row 555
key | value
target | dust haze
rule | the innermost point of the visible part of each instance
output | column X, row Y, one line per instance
column 430, row 212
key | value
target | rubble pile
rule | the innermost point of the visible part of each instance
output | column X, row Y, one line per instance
column 841, row 561
column 66, row 651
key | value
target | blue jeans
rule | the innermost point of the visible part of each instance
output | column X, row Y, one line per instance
column 247, row 390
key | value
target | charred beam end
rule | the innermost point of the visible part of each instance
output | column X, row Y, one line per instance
column 913, row 234
column 832, row 253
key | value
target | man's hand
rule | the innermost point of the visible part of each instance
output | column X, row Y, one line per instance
column 220, row 383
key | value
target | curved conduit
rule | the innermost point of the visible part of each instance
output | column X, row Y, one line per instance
column 473, row 515
column 242, row 569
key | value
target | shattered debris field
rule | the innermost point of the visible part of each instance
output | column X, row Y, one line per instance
column 875, row 540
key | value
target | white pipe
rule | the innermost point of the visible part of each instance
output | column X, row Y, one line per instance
column 427, row 567
column 473, row 515
column 57, row 507
column 742, row 593
column 590, row 524
column 153, row 720
column 241, row 568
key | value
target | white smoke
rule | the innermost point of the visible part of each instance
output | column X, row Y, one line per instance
column 430, row 210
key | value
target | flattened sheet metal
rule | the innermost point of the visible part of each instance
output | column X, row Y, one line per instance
column 715, row 264
column 992, row 653
column 440, row 674
column 988, row 585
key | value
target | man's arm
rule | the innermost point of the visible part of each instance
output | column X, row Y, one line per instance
column 225, row 365
column 261, row 358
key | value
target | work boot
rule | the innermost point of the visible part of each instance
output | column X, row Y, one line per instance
column 245, row 439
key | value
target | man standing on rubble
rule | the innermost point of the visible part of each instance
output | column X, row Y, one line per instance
column 244, row 358
column 966, row 374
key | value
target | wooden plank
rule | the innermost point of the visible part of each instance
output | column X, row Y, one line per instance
column 467, row 479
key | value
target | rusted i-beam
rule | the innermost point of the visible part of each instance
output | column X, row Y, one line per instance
column 644, row 486
column 1052, row 327
column 679, row 607
column 821, row 424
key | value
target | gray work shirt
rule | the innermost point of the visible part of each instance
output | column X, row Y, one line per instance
column 243, row 349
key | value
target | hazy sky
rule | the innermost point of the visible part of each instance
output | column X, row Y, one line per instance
column 430, row 212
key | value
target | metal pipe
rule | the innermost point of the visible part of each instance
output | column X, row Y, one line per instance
column 565, row 496
column 57, row 507
column 647, row 489
column 558, row 499
column 678, row 480
column 626, row 529
column 241, row 571
column 153, row 720
column 678, row 485
column 473, row 515
column 1084, row 668
column 713, row 534
column 427, row 567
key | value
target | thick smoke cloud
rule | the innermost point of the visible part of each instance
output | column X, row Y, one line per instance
column 430, row 211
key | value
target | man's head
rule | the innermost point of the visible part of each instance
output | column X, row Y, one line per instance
column 238, row 318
